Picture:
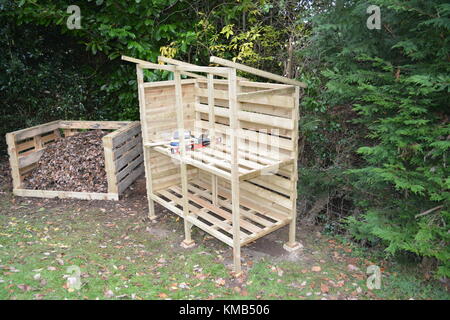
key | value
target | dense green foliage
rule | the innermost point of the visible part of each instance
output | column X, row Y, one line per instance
column 374, row 121
column 398, row 81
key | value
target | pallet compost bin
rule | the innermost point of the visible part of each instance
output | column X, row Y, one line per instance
column 243, row 185
column 122, row 147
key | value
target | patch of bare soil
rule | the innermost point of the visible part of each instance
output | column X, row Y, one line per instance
column 75, row 163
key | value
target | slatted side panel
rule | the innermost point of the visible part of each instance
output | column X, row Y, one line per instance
column 166, row 171
column 128, row 156
column 161, row 120
column 160, row 112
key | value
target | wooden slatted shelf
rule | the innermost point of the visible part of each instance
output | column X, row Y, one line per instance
column 217, row 160
column 255, row 221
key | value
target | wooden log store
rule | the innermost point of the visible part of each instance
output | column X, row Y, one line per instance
column 221, row 151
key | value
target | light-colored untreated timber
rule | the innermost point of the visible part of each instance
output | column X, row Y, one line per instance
column 256, row 72
column 34, row 131
column 148, row 65
column 258, row 118
column 182, row 63
column 241, row 187
column 101, row 125
column 65, row 194
column 110, row 166
column 270, row 92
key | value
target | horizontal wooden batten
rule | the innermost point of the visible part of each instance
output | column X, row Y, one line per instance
column 35, row 131
column 65, row 194
column 166, row 84
column 275, row 122
column 265, row 138
column 276, row 92
column 100, row 125
column 281, row 101
column 257, row 72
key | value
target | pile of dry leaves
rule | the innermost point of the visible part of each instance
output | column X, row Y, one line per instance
column 75, row 163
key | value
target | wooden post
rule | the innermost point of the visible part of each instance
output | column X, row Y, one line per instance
column 212, row 133
column 110, row 167
column 148, row 169
column 13, row 160
column 187, row 242
column 292, row 245
column 37, row 142
column 234, row 126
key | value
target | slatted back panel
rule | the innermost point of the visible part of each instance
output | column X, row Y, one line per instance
column 269, row 121
column 160, row 112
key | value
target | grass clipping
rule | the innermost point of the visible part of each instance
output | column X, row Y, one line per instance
column 75, row 163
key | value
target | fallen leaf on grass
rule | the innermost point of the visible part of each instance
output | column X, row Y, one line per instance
column 324, row 288
column 316, row 269
column 340, row 284
column 24, row 287
column 108, row 294
column 351, row 267
column 220, row 282
column 201, row 276
column 162, row 295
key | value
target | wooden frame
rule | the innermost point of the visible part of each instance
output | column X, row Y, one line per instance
column 122, row 147
column 243, row 185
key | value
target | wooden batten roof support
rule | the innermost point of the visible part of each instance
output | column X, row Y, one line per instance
column 186, row 64
column 149, row 65
column 257, row 72
column 180, row 63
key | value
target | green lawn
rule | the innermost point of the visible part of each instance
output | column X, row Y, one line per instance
column 122, row 256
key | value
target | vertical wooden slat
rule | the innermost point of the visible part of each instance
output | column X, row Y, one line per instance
column 182, row 147
column 110, row 167
column 212, row 134
column 68, row 132
column 57, row 133
column 37, row 142
column 148, row 169
column 13, row 160
column 234, row 126
column 292, row 244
